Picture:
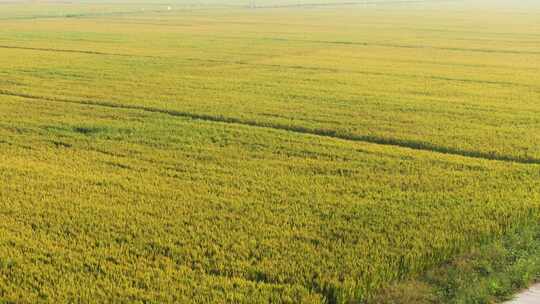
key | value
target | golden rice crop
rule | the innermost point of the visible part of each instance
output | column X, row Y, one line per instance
column 216, row 153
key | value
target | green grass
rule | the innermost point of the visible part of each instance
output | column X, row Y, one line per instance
column 301, row 154
column 487, row 274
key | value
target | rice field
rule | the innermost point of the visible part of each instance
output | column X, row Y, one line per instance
column 267, row 152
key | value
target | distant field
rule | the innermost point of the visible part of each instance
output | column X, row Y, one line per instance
column 299, row 152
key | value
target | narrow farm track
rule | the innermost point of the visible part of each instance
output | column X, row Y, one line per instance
column 81, row 15
column 337, row 4
column 409, row 46
column 64, row 51
column 407, row 144
column 333, row 70
column 277, row 66
column 369, row 73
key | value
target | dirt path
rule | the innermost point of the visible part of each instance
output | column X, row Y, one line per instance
column 529, row 296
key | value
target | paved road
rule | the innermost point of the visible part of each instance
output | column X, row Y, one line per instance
column 529, row 296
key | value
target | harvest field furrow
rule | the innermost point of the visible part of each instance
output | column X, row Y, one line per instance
column 299, row 152
column 301, row 130
column 59, row 50
column 408, row 46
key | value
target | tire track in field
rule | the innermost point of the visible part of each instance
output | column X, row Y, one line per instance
column 12, row 47
column 369, row 73
column 336, row 4
column 394, row 142
column 406, row 46
column 82, row 15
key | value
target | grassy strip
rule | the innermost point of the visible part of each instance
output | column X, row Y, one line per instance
column 488, row 274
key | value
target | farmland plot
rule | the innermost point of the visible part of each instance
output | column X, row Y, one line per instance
column 293, row 153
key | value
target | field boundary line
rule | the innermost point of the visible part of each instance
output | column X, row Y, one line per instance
column 393, row 142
